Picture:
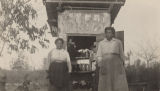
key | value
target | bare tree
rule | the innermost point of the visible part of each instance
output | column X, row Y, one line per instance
column 128, row 56
column 148, row 52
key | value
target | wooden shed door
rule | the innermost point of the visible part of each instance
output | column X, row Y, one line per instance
column 120, row 35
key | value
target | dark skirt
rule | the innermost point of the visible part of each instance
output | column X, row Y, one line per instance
column 58, row 75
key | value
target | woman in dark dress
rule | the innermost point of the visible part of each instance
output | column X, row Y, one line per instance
column 59, row 68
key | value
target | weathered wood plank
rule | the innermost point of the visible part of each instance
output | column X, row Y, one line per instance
column 86, row 1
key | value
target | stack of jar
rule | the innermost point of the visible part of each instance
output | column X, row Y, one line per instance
column 85, row 67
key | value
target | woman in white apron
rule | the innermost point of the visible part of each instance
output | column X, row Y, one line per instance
column 110, row 55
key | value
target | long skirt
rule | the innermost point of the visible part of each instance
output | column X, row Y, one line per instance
column 112, row 76
column 58, row 76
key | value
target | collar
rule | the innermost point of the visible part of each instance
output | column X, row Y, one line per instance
column 113, row 39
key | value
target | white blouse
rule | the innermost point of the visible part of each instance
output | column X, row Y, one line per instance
column 60, row 55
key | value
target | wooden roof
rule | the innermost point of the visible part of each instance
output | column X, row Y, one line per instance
column 55, row 6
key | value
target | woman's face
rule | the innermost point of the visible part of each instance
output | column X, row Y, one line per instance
column 59, row 44
column 109, row 34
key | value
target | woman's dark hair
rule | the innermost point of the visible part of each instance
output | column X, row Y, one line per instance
column 59, row 39
column 110, row 28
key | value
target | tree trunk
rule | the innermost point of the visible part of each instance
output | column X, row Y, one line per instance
column 4, row 42
column 2, row 48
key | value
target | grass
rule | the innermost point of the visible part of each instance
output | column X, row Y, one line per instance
column 16, row 78
column 20, row 76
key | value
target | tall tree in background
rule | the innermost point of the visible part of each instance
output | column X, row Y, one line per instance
column 128, row 57
column 18, row 27
column 149, row 52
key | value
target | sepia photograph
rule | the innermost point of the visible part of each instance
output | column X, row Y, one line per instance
column 79, row 45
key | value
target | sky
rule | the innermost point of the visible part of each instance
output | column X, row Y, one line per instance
column 139, row 19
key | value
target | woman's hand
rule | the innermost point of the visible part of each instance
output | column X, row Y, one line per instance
column 123, row 63
column 99, row 63
column 69, row 72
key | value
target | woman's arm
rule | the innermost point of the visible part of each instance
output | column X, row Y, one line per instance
column 69, row 62
column 49, row 59
column 99, row 54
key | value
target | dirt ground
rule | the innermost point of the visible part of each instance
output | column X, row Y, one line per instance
column 44, row 88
